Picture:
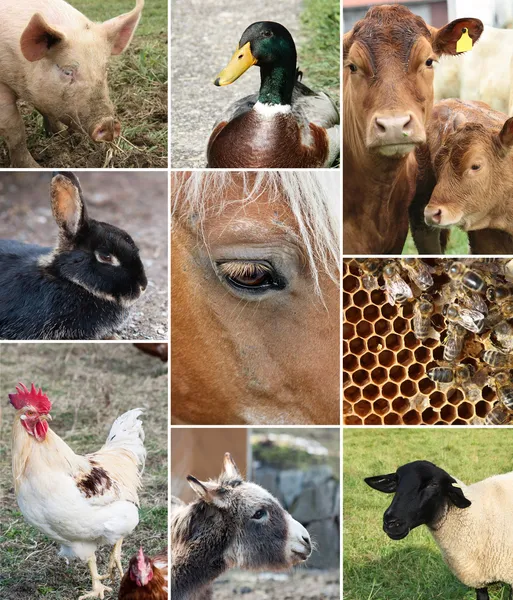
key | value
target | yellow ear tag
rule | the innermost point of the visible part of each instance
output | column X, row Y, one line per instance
column 464, row 44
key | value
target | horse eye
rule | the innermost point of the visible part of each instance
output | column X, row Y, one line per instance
column 250, row 276
column 260, row 514
column 353, row 68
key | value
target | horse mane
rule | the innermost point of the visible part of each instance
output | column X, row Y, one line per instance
column 313, row 198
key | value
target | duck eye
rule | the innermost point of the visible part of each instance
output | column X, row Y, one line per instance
column 353, row 68
column 267, row 33
column 429, row 62
column 260, row 514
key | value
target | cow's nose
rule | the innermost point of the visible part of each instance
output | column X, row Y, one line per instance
column 394, row 128
column 433, row 215
column 392, row 523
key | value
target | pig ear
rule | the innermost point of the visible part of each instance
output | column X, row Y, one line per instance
column 506, row 134
column 38, row 38
column 459, row 120
column 446, row 38
column 67, row 204
column 120, row 30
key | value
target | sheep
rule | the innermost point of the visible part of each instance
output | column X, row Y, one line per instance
column 472, row 524
column 232, row 523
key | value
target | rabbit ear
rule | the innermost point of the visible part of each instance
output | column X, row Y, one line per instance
column 67, row 204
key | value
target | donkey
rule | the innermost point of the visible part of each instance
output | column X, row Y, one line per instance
column 233, row 523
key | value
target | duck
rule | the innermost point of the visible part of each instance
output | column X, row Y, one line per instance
column 285, row 124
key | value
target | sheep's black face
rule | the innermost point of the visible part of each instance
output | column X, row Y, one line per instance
column 422, row 493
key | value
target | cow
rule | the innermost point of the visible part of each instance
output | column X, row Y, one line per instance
column 483, row 74
column 388, row 98
column 466, row 178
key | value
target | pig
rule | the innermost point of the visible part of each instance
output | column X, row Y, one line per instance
column 55, row 58
column 466, row 177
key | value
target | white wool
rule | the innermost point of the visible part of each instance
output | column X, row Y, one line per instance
column 313, row 197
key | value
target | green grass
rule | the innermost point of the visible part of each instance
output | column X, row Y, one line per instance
column 458, row 243
column 319, row 52
column 378, row 568
column 138, row 88
column 90, row 385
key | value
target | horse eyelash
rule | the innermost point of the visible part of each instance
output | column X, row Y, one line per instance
column 239, row 268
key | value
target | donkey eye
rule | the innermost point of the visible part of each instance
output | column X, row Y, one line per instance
column 260, row 514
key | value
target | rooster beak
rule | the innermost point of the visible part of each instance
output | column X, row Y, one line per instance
column 46, row 417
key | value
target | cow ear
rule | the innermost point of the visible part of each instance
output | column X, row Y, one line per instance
column 459, row 120
column 456, row 495
column 383, row 483
column 38, row 37
column 506, row 134
column 120, row 30
column 445, row 39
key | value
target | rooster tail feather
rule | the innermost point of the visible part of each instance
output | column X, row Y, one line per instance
column 127, row 433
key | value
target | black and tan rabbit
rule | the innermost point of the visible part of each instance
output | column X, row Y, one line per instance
column 82, row 288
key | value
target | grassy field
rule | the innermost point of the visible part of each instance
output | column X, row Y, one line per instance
column 319, row 52
column 138, row 89
column 90, row 385
column 378, row 568
column 458, row 243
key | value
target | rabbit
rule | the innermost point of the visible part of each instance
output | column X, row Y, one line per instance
column 82, row 288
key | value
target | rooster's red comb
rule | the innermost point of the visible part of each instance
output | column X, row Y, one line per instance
column 32, row 397
column 141, row 560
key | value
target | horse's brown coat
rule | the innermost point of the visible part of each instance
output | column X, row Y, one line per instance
column 234, row 361
column 387, row 77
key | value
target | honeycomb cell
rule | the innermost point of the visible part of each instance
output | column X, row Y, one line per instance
column 345, row 348
column 357, row 346
column 386, row 365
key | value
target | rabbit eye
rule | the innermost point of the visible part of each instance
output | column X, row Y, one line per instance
column 108, row 259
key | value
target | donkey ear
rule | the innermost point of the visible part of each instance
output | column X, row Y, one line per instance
column 383, row 483
column 456, row 495
column 67, row 205
column 229, row 467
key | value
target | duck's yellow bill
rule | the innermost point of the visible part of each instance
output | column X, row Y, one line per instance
column 239, row 64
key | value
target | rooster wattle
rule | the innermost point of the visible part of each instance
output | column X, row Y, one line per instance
column 81, row 502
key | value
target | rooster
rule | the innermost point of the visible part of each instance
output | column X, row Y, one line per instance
column 80, row 502
column 146, row 578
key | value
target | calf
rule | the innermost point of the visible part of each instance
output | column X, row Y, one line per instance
column 388, row 97
column 483, row 74
column 55, row 58
column 466, row 178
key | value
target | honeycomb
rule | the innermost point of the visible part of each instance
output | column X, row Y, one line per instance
column 385, row 365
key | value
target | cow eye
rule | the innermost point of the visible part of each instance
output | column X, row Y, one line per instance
column 353, row 68
column 260, row 514
column 475, row 167
column 429, row 62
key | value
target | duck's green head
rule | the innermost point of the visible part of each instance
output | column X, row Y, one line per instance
column 265, row 44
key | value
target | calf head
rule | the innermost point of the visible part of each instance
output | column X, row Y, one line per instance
column 246, row 524
column 68, row 77
column 474, row 172
column 423, row 492
column 388, row 77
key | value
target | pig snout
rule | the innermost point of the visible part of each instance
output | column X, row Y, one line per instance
column 107, row 130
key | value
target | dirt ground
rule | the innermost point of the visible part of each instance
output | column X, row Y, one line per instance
column 90, row 385
column 136, row 202
column 299, row 585
column 198, row 53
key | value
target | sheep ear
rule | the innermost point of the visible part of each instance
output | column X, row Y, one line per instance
column 230, row 469
column 456, row 495
column 383, row 483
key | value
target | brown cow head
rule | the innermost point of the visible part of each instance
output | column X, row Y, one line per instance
column 388, row 77
column 474, row 171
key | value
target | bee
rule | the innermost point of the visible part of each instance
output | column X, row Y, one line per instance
column 499, row 415
column 502, row 336
column 473, row 320
column 497, row 359
column 504, row 387
column 499, row 293
column 454, row 341
column 424, row 309
column 397, row 290
column 418, row 271
column 371, row 269
column 458, row 271
column 459, row 375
